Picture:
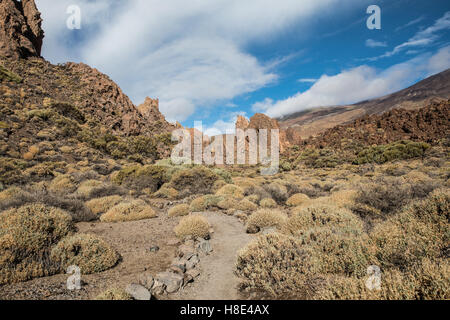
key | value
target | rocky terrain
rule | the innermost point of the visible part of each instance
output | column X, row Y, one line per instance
column 88, row 193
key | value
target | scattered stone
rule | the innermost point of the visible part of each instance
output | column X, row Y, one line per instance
column 146, row 280
column 192, row 262
column 172, row 281
column 179, row 268
column 204, row 246
column 194, row 273
column 251, row 229
column 138, row 292
column 158, row 287
column 186, row 251
column 154, row 249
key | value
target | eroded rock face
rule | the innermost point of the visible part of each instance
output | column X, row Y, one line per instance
column 21, row 34
column 242, row 123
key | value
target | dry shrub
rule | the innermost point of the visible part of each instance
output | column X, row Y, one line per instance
column 166, row 192
column 426, row 281
column 179, row 210
column 256, row 191
column 86, row 187
column 218, row 185
column 88, row 252
column 198, row 180
column 344, row 198
column 228, row 203
column 268, row 203
column 198, row 205
column 274, row 264
column 252, row 198
column 194, row 226
column 142, row 177
column 130, row 210
column 277, row 191
column 320, row 215
column 339, row 250
column 62, row 184
column 388, row 194
column 297, row 199
column 246, row 205
column 114, row 294
column 26, row 236
column 421, row 230
column 308, row 189
column 101, row 205
column 232, row 191
column 10, row 193
column 264, row 218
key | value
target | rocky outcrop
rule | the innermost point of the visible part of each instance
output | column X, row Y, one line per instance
column 21, row 34
column 242, row 123
column 428, row 124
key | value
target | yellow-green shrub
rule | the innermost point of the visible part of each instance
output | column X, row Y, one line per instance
column 321, row 215
column 268, row 203
column 101, row 205
column 197, row 180
column 179, row 210
column 265, row 218
column 297, row 199
column 86, row 187
column 130, row 210
column 193, row 225
column 198, row 205
column 26, row 236
column 62, row 184
column 114, row 294
column 232, row 191
column 167, row 192
column 246, row 205
column 88, row 252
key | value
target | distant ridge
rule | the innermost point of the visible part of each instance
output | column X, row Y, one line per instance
column 314, row 121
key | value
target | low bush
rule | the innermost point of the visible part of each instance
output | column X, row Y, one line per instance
column 277, row 192
column 130, row 210
column 268, row 203
column 265, row 218
column 101, row 205
column 166, row 192
column 194, row 226
column 321, row 215
column 228, row 203
column 232, row 191
column 179, row 210
column 141, row 177
column 275, row 265
column 197, row 180
column 401, row 150
column 198, row 205
column 62, row 184
column 246, row 205
column 297, row 199
column 88, row 252
column 114, row 294
column 26, row 237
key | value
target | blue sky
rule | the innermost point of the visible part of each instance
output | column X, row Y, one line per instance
column 212, row 60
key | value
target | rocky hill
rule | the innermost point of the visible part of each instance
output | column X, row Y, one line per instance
column 428, row 124
column 46, row 107
column 312, row 122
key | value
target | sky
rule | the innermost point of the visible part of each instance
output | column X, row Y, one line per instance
column 212, row 60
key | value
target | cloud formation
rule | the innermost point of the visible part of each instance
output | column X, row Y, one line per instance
column 188, row 54
column 357, row 84
column 421, row 38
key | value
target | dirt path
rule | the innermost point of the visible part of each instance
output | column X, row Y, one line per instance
column 217, row 280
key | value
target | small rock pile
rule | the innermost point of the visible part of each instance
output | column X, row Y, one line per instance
column 183, row 270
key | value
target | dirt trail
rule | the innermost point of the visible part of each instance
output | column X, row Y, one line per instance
column 217, row 280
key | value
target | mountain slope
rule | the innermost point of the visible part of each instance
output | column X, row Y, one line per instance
column 314, row 121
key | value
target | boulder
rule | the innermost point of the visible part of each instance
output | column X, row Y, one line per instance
column 146, row 280
column 138, row 292
column 172, row 281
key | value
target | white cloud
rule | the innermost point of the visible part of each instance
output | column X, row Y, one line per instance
column 411, row 23
column 374, row 44
column 190, row 54
column 307, row 80
column 357, row 84
column 223, row 127
column 421, row 38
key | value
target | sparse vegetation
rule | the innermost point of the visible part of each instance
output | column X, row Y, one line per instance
column 129, row 210
column 89, row 253
column 179, row 210
column 114, row 294
column 264, row 218
column 194, row 226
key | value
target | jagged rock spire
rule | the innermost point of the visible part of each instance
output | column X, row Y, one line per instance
column 21, row 34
